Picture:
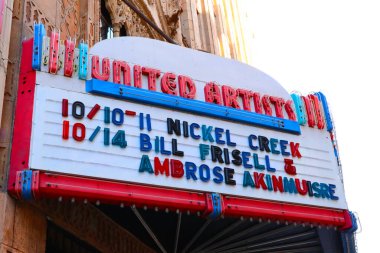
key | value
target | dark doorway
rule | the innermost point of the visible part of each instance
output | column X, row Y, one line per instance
column 60, row 241
column 106, row 23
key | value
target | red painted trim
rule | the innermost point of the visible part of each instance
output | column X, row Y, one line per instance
column 55, row 185
column 282, row 211
column 49, row 185
column 23, row 116
column 18, row 185
column 348, row 223
column 35, row 184
column 208, row 208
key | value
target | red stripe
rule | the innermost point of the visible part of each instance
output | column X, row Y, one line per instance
column 282, row 211
column 23, row 115
column 111, row 192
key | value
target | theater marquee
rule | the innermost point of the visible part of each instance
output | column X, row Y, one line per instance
column 152, row 113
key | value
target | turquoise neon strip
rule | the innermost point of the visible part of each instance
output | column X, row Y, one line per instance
column 93, row 135
column 300, row 109
column 26, row 190
column 188, row 105
column 39, row 33
column 83, row 61
column 217, row 206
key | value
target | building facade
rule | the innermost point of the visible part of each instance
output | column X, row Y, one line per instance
column 211, row 26
column 52, row 221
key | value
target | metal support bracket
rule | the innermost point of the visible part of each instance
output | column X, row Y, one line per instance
column 26, row 182
column 217, row 205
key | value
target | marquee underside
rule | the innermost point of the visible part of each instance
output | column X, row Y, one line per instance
column 180, row 232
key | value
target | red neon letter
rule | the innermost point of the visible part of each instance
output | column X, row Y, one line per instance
column 65, row 107
column 137, row 76
column 309, row 112
column 53, row 52
column 76, row 128
column 317, row 110
column 294, row 149
column 161, row 168
column 246, row 98
column 168, row 84
column 212, row 93
column 289, row 167
column 152, row 74
column 257, row 102
column 266, row 105
column 277, row 183
column 93, row 111
column 289, row 110
column 278, row 104
column 187, row 87
column 121, row 67
column 301, row 190
column 69, row 58
column 230, row 97
column 65, row 130
column 176, row 168
column 259, row 180
column 95, row 73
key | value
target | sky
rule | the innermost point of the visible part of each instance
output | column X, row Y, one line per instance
column 331, row 46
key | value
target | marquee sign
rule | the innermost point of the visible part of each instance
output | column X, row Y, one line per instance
column 142, row 111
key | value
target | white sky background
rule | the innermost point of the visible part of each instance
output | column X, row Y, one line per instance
column 331, row 46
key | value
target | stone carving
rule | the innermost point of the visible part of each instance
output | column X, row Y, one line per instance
column 172, row 10
column 184, row 41
column 70, row 19
column 140, row 25
column 91, row 34
column 74, row 20
column 17, row 10
column 135, row 27
column 119, row 13
column 83, row 33
column 123, row 16
column 33, row 14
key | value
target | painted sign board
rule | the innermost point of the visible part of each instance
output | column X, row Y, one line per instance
column 184, row 119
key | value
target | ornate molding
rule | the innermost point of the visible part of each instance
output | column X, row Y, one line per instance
column 172, row 10
column 33, row 14
column 123, row 16
column 119, row 13
column 76, row 19
column 70, row 18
